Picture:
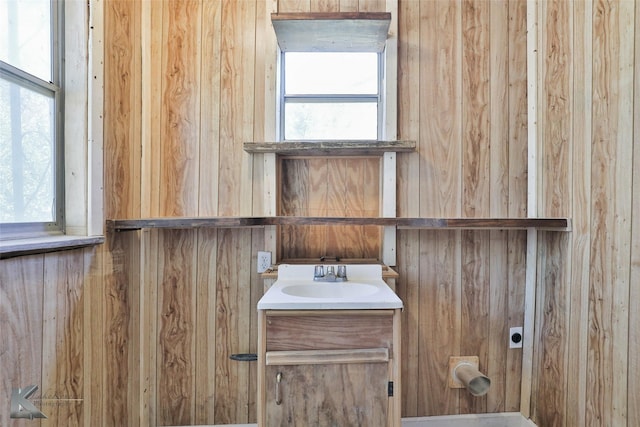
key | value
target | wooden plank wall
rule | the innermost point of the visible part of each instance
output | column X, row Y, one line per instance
column 462, row 97
column 139, row 331
column 585, row 367
column 340, row 187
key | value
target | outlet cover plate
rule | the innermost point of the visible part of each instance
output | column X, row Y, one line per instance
column 264, row 261
column 515, row 337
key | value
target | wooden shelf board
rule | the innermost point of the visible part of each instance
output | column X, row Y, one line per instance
column 557, row 224
column 330, row 148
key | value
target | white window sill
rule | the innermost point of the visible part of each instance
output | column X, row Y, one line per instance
column 40, row 245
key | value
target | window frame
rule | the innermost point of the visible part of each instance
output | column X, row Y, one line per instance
column 329, row 98
column 54, row 89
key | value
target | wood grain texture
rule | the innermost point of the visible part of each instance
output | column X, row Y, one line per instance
column 346, row 331
column 551, row 333
column 205, row 352
column 232, row 325
column 21, row 298
column 148, row 318
column 408, row 243
column 62, row 333
column 210, row 106
column 329, row 187
column 236, row 106
column 581, row 211
column 180, row 108
column 121, row 152
column 93, row 334
column 176, row 327
column 119, row 263
column 151, row 33
column 475, row 109
column 306, row 396
column 586, row 367
column 634, row 294
column 611, row 165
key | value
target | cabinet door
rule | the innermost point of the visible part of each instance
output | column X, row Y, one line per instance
column 349, row 394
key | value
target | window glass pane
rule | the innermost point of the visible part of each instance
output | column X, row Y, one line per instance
column 25, row 36
column 331, row 73
column 321, row 121
column 27, row 159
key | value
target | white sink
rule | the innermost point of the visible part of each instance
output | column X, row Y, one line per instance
column 330, row 290
column 295, row 289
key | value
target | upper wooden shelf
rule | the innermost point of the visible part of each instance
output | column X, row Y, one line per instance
column 330, row 148
column 558, row 224
column 331, row 32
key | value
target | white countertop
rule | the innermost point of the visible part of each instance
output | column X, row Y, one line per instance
column 295, row 289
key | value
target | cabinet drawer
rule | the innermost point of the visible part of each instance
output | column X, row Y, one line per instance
column 315, row 330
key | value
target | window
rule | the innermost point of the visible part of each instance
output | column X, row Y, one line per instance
column 31, row 146
column 331, row 96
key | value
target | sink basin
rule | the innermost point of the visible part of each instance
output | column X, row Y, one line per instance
column 295, row 289
column 330, row 290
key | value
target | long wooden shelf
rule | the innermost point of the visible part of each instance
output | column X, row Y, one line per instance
column 330, row 148
column 558, row 224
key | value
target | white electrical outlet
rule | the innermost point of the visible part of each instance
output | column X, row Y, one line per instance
column 515, row 337
column 264, row 261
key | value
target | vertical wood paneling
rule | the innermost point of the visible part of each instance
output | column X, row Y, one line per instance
column 495, row 364
column 93, row 335
column 517, row 244
column 408, row 244
column 634, row 292
column 553, row 293
column 232, row 326
column 440, row 183
column 611, row 166
column 517, row 184
column 236, row 107
column 477, row 151
column 294, row 5
column 210, row 106
column 122, row 155
column 580, row 212
column 551, row 332
column 517, row 146
column 371, row 5
column 556, row 101
column 325, row 6
column 120, row 263
column 151, row 98
column 474, row 327
column 475, row 108
column 180, row 108
column 62, row 333
column 256, row 286
column 205, row 357
column 148, row 315
column 330, row 187
column 105, row 305
column 21, row 299
column 176, row 327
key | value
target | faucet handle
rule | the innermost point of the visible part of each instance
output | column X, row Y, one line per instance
column 318, row 271
column 342, row 272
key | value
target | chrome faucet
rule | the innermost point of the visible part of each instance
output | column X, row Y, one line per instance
column 319, row 274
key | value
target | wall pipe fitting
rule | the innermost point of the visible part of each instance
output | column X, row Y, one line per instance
column 473, row 380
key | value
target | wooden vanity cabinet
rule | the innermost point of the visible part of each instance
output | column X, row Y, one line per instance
column 329, row 367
